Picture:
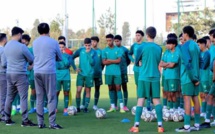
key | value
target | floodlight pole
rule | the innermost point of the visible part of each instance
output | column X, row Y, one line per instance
column 178, row 29
column 115, row 19
column 93, row 18
column 66, row 23
column 145, row 16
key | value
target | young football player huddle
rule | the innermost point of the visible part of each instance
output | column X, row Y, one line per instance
column 185, row 67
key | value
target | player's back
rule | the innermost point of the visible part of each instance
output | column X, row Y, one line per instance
column 45, row 51
column 151, row 56
column 16, row 60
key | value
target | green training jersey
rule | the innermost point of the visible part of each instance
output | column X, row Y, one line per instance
column 125, row 61
column 63, row 72
column 30, row 73
column 212, row 54
column 189, row 68
column 204, row 66
column 164, row 59
column 86, row 61
column 133, row 51
column 112, row 54
column 98, row 65
column 150, row 56
column 173, row 57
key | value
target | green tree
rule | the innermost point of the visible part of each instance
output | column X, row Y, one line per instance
column 106, row 22
column 102, row 39
column 202, row 21
column 34, row 33
column 126, row 33
column 55, row 30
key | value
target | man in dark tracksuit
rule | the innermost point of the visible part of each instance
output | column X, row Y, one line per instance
column 17, row 56
column 46, row 52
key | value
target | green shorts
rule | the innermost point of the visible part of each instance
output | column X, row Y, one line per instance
column 212, row 90
column 190, row 89
column 204, row 86
column 148, row 89
column 171, row 85
column 84, row 81
column 136, row 77
column 65, row 83
column 113, row 80
column 32, row 85
column 98, row 81
column 124, row 78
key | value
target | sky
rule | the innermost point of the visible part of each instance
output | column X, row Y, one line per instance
column 80, row 12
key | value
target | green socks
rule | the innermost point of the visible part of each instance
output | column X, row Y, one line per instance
column 178, row 102
column 111, row 96
column 96, row 97
column 125, row 94
column 87, row 101
column 66, row 101
column 186, row 119
column 84, row 96
column 214, row 111
column 119, row 96
column 174, row 105
column 138, row 113
column 197, row 118
column 78, row 102
column 32, row 100
column 164, row 102
column 115, row 98
column 209, row 110
column 181, row 102
column 159, row 112
column 170, row 104
column 204, row 104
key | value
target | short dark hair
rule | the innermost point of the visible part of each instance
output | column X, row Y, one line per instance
column 61, row 38
column 194, row 37
column 87, row 41
column 151, row 32
column 202, row 41
column 110, row 36
column 211, row 31
column 118, row 37
column 140, row 32
column 62, row 43
column 26, row 37
column 189, row 31
column 206, row 37
column 172, row 41
column 16, row 30
column 180, row 35
column 43, row 28
column 172, row 35
column 2, row 36
column 96, row 38
column 213, row 35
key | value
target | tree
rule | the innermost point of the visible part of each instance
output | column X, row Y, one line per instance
column 102, row 39
column 55, row 30
column 7, row 31
column 34, row 33
column 202, row 21
column 106, row 22
column 126, row 34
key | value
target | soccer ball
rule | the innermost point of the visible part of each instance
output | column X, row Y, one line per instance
column 100, row 113
column 148, row 116
column 154, row 113
column 72, row 110
column 133, row 110
column 167, row 116
column 165, row 110
column 145, row 109
column 176, row 116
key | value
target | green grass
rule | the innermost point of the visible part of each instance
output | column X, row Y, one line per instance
column 88, row 124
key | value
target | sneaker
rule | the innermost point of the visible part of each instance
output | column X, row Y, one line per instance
column 95, row 107
column 213, row 123
column 13, row 112
column 86, row 110
column 31, row 111
column 111, row 110
column 122, row 110
column 82, row 107
column 29, row 123
column 56, row 126
column 45, row 110
column 205, row 125
column 160, row 129
column 194, row 128
column 41, row 126
column 134, row 130
column 9, row 122
column 78, row 110
column 182, row 129
column 126, row 108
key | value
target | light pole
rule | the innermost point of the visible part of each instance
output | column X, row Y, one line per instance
column 178, row 28
column 115, row 19
column 145, row 16
column 66, row 23
column 93, row 18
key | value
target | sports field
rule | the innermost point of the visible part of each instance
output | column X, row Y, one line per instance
column 89, row 124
